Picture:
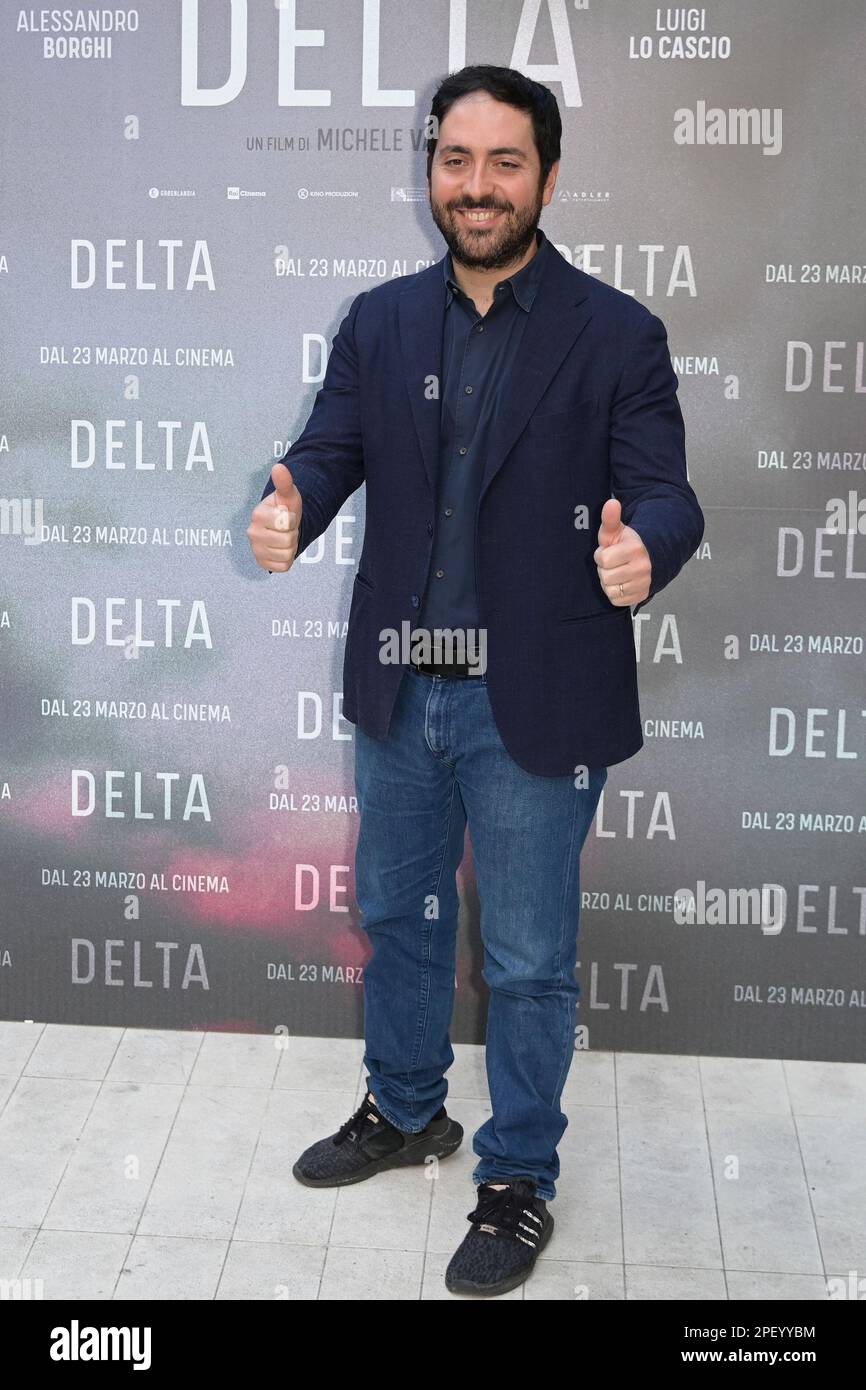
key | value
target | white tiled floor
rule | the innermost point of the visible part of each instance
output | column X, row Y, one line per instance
column 137, row 1164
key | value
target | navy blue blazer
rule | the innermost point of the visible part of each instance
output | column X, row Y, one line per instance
column 590, row 412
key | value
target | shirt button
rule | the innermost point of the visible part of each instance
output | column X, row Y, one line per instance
column 462, row 449
column 415, row 600
column 429, row 528
column 439, row 574
column 449, row 511
column 468, row 390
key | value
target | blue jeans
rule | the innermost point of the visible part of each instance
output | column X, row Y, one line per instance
column 444, row 763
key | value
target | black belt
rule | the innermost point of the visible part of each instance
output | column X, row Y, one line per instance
column 457, row 670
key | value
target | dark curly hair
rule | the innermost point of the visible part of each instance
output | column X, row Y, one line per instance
column 509, row 86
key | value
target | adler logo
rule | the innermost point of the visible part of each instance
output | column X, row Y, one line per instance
column 712, row 125
column 77, row 1343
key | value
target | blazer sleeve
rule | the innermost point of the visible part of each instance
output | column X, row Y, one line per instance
column 648, row 456
column 327, row 458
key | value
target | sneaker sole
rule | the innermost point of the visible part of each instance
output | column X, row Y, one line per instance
column 438, row 1146
column 504, row 1285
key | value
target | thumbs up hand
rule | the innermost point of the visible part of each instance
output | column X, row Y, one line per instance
column 274, row 526
column 622, row 560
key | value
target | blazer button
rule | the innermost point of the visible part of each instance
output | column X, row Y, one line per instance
column 415, row 600
column 429, row 528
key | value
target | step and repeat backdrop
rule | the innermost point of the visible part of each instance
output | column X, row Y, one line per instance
column 193, row 194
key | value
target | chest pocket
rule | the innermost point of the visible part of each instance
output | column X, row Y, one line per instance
column 565, row 424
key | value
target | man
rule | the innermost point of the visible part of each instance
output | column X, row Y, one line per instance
column 516, row 424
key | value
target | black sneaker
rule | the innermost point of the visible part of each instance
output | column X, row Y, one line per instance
column 368, row 1143
column 509, row 1230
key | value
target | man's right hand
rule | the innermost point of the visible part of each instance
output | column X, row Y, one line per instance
column 275, row 522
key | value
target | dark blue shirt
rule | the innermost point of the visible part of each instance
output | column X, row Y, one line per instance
column 477, row 354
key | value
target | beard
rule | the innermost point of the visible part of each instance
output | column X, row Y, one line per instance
column 487, row 248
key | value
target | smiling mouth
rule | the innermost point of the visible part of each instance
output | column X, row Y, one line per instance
column 479, row 217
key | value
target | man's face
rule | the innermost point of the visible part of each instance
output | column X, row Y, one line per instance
column 486, row 160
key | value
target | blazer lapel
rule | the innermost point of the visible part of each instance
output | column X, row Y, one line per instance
column 421, row 318
column 560, row 312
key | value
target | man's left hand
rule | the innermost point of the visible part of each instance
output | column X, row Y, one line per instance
column 622, row 560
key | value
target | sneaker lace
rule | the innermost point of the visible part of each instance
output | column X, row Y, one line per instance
column 510, row 1211
column 363, row 1117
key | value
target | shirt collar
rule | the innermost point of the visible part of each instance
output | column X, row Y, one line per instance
column 524, row 284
